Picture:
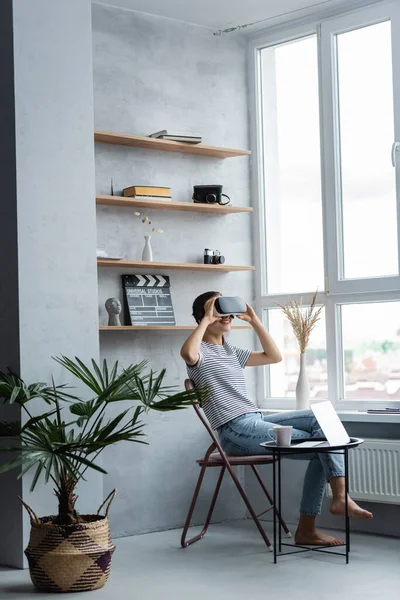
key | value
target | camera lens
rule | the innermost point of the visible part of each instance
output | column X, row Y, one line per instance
column 211, row 198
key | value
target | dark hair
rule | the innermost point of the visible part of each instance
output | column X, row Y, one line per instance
column 198, row 304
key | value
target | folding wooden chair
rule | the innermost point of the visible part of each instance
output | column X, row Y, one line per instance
column 216, row 457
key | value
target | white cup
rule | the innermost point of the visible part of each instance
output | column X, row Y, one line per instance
column 283, row 434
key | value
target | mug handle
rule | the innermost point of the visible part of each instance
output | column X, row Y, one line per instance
column 224, row 203
column 269, row 435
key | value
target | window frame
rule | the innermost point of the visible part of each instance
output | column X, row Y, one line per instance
column 337, row 292
column 330, row 153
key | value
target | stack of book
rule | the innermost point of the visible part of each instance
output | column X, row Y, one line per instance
column 177, row 137
column 147, row 192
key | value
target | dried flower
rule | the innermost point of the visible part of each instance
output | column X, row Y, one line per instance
column 302, row 320
column 146, row 221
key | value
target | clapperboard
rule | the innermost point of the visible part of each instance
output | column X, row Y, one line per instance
column 148, row 299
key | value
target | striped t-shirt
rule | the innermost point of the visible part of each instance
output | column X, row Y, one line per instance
column 220, row 369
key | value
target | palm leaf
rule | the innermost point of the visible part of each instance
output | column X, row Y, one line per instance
column 31, row 422
column 10, row 429
column 99, row 374
column 59, row 449
column 12, row 464
column 87, row 462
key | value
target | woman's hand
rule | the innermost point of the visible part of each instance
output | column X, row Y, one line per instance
column 209, row 311
column 249, row 316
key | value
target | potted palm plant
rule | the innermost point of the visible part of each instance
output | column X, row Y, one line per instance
column 70, row 551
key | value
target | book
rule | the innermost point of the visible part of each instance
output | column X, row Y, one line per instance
column 383, row 411
column 151, row 198
column 180, row 138
column 179, row 134
column 147, row 190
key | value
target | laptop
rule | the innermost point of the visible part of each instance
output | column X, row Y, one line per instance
column 331, row 425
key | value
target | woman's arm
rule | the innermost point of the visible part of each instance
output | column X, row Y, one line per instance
column 271, row 353
column 190, row 349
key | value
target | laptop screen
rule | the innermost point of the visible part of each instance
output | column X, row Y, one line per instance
column 330, row 423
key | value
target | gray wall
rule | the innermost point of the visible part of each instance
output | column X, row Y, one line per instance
column 55, row 207
column 386, row 519
column 149, row 74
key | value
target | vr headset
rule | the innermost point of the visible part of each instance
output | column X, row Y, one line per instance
column 229, row 305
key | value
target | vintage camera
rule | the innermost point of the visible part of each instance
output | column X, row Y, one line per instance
column 213, row 257
column 209, row 194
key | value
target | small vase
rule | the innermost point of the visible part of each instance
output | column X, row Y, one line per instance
column 302, row 387
column 147, row 253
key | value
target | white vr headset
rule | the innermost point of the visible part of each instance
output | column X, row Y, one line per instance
column 229, row 305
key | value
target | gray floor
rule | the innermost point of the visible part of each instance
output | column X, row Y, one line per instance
column 231, row 563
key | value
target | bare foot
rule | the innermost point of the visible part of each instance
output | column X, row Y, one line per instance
column 316, row 538
column 355, row 511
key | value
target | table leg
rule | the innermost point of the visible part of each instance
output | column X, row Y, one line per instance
column 279, row 500
column 346, row 475
column 274, row 500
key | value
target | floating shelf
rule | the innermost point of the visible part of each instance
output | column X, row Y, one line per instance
column 169, row 205
column 140, row 264
column 158, row 327
column 139, row 141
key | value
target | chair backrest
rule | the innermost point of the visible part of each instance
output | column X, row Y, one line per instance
column 189, row 385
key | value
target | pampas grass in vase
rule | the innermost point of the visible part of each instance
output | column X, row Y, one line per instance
column 303, row 321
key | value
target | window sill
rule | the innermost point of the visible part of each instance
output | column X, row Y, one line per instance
column 348, row 416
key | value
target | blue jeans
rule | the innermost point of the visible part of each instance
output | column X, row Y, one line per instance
column 242, row 437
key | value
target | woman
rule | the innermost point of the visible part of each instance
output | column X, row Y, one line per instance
column 212, row 362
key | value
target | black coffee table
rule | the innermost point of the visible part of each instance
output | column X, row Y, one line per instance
column 279, row 452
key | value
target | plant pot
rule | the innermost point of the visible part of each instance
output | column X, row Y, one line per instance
column 70, row 558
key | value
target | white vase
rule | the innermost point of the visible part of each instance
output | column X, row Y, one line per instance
column 302, row 387
column 147, row 253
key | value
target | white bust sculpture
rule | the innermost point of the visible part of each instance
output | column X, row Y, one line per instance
column 113, row 307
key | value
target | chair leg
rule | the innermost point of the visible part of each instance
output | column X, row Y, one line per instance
column 184, row 542
column 250, row 508
column 266, row 492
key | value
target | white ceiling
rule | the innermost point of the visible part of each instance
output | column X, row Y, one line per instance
column 222, row 14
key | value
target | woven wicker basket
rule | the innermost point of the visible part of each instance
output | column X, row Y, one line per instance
column 70, row 558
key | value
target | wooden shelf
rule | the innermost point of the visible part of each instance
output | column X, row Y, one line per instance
column 140, row 264
column 169, row 205
column 139, row 141
column 158, row 327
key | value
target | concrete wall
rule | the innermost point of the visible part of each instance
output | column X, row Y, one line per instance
column 152, row 73
column 55, row 208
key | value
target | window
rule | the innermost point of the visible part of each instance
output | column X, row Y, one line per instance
column 366, row 134
column 327, row 182
column 292, row 169
column 370, row 340
column 283, row 377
